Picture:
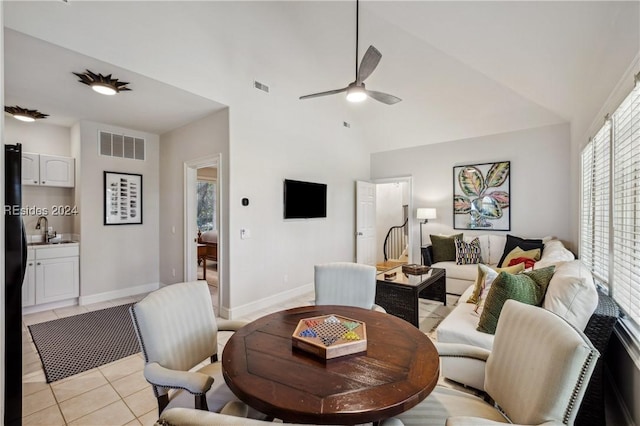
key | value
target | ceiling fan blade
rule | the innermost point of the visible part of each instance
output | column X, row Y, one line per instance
column 329, row 92
column 385, row 98
column 369, row 63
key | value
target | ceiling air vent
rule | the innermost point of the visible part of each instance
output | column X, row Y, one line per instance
column 122, row 146
column 261, row 86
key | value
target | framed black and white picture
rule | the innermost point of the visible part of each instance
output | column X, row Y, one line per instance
column 122, row 198
column 481, row 196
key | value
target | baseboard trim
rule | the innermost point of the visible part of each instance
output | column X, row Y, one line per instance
column 116, row 294
column 258, row 305
column 26, row 310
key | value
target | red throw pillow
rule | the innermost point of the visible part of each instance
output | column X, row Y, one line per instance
column 528, row 263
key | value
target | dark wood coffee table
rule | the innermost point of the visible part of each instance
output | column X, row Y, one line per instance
column 399, row 369
column 399, row 295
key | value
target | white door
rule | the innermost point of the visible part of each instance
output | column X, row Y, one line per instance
column 366, row 223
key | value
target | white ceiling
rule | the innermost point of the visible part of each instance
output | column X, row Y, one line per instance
column 463, row 68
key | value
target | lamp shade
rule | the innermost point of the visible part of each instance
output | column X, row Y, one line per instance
column 426, row 214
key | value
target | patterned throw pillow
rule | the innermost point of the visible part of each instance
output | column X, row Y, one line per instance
column 468, row 253
column 513, row 242
column 527, row 287
column 485, row 277
column 444, row 247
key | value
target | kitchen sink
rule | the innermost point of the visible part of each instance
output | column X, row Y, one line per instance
column 42, row 243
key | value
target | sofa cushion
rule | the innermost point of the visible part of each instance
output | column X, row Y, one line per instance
column 460, row 326
column 444, row 248
column 572, row 294
column 468, row 253
column 484, row 279
column 513, row 242
column 554, row 253
column 527, row 287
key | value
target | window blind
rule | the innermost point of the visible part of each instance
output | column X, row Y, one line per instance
column 595, row 231
column 626, row 206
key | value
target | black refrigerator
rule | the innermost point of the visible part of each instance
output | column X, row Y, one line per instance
column 15, row 264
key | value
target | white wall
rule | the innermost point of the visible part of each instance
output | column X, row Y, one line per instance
column 203, row 138
column 42, row 138
column 540, row 185
column 389, row 198
column 116, row 258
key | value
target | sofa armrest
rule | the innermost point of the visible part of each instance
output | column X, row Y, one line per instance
column 194, row 382
column 427, row 255
column 476, row 421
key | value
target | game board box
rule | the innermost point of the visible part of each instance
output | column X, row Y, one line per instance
column 330, row 336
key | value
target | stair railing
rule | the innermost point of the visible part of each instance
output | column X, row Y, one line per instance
column 395, row 241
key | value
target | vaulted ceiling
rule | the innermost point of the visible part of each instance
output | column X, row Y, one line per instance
column 462, row 68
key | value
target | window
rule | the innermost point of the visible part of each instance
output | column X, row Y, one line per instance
column 206, row 195
column 610, row 208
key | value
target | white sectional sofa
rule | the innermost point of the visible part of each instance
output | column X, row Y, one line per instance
column 571, row 294
column 460, row 277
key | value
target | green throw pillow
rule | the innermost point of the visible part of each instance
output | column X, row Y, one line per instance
column 526, row 287
column 444, row 247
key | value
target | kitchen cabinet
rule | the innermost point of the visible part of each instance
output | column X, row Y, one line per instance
column 29, row 282
column 47, row 170
column 53, row 274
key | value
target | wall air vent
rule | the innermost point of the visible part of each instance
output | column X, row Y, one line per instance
column 122, row 146
column 261, row 86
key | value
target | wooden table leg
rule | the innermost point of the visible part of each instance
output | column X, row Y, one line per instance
column 204, row 268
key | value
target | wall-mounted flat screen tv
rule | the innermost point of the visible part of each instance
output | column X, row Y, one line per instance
column 304, row 200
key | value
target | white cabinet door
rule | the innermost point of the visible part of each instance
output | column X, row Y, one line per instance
column 29, row 284
column 57, row 279
column 30, row 168
column 57, row 171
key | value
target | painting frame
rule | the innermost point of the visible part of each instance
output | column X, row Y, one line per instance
column 482, row 196
column 122, row 198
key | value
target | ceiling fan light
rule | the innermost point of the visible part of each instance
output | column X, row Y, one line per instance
column 356, row 94
column 104, row 89
column 24, row 117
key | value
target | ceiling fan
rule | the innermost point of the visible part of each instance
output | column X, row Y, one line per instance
column 356, row 90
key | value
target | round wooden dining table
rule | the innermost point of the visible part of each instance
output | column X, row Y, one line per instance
column 399, row 369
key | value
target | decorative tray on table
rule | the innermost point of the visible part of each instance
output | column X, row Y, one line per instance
column 414, row 269
column 330, row 336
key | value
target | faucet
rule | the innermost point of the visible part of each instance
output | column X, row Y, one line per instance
column 47, row 237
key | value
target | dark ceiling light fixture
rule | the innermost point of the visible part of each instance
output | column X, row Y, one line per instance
column 103, row 84
column 24, row 114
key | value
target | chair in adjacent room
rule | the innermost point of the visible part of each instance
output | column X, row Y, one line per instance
column 536, row 373
column 344, row 283
column 177, row 331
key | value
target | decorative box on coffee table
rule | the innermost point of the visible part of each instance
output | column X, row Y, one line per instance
column 330, row 336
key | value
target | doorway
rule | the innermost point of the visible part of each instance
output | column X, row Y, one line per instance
column 202, row 209
column 393, row 197
column 380, row 206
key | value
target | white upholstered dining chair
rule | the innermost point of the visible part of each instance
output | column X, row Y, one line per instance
column 536, row 373
column 345, row 283
column 177, row 330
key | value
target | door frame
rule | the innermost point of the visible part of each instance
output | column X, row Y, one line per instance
column 409, row 181
column 190, row 267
